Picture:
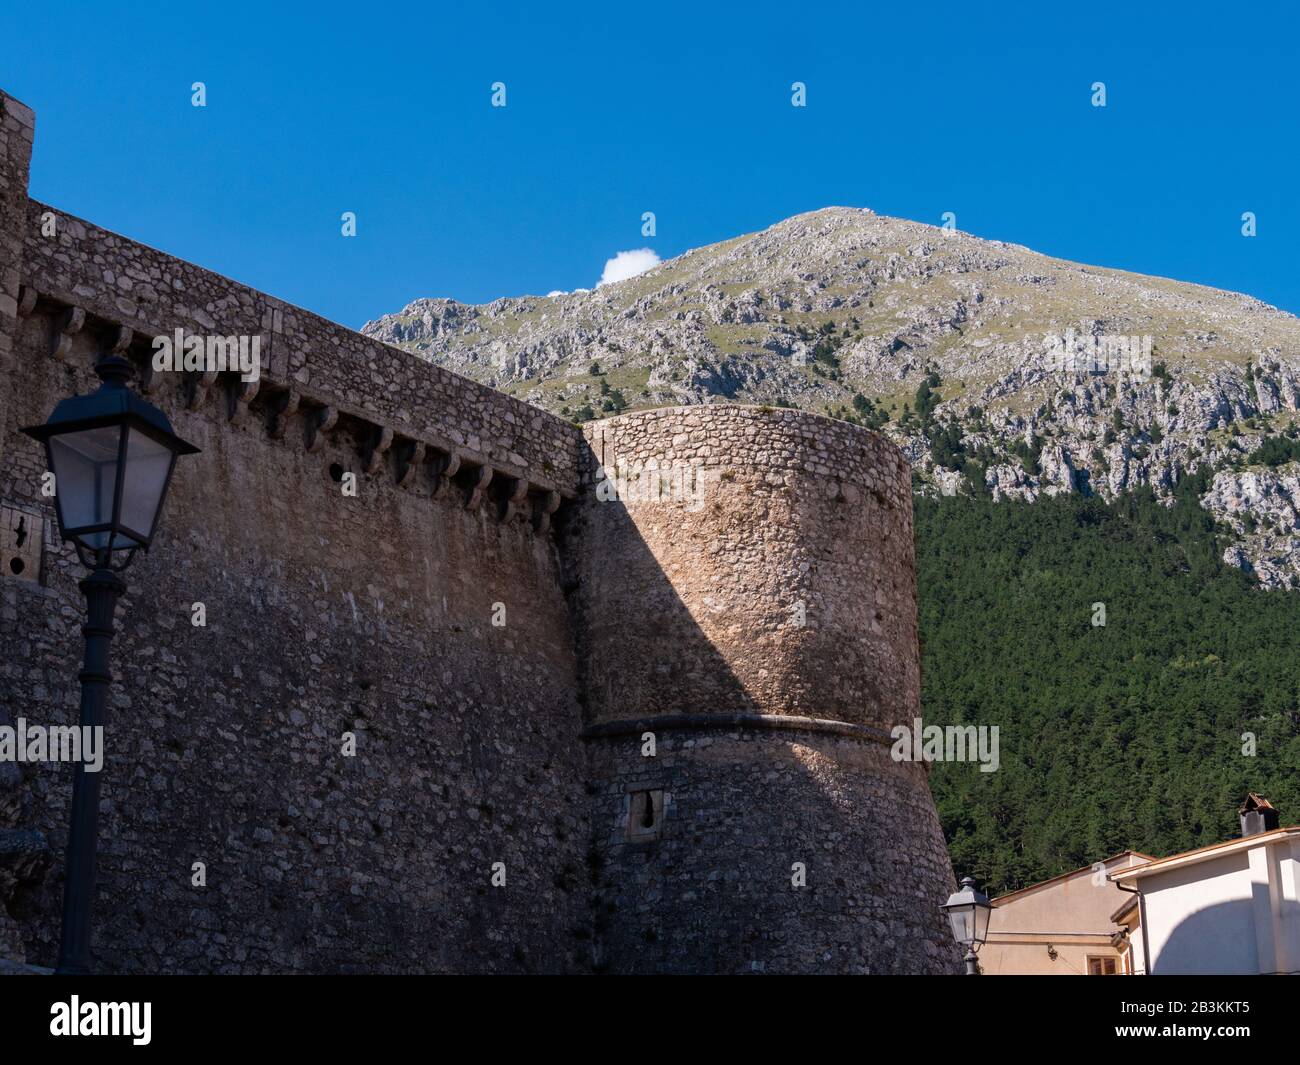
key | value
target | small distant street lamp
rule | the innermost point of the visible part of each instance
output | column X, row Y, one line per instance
column 112, row 455
column 968, row 911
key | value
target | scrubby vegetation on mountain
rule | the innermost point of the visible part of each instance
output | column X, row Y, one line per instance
column 1123, row 735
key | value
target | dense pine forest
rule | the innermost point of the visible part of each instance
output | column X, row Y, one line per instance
column 1114, row 736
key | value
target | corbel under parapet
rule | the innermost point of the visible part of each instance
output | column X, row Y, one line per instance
column 410, row 457
column 197, row 387
column 121, row 338
column 241, row 396
column 549, row 505
column 319, row 422
column 373, row 456
column 26, row 300
column 518, row 493
column 282, row 409
column 448, row 469
column 480, row 488
column 68, row 323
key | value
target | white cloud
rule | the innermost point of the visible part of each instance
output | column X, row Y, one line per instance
column 628, row 264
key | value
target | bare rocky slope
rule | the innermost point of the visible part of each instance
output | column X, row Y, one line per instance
column 996, row 369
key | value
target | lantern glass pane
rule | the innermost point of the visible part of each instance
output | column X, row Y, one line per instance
column 982, row 914
column 961, row 919
column 85, row 478
column 147, row 465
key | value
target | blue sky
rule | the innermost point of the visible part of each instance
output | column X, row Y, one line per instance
column 683, row 110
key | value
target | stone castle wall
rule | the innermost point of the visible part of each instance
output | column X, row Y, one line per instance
column 491, row 631
column 760, row 628
column 326, row 614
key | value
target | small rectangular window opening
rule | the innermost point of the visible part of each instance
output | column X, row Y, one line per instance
column 645, row 814
column 1102, row 966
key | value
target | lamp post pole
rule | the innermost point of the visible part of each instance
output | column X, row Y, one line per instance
column 972, row 963
column 111, row 454
column 102, row 590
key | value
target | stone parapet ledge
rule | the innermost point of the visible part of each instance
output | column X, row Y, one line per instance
column 86, row 270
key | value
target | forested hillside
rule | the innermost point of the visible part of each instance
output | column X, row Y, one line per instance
column 1115, row 736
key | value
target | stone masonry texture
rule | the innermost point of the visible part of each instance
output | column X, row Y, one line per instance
column 495, row 633
column 761, row 627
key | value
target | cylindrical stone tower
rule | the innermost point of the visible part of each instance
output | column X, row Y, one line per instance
column 744, row 586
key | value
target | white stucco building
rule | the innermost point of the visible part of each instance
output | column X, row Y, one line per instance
column 1233, row 907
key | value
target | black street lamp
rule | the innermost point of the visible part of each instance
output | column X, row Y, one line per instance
column 112, row 455
column 968, row 911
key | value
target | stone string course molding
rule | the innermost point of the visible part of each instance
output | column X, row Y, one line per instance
column 736, row 721
column 477, row 743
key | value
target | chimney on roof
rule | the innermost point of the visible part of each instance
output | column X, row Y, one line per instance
column 1257, row 815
